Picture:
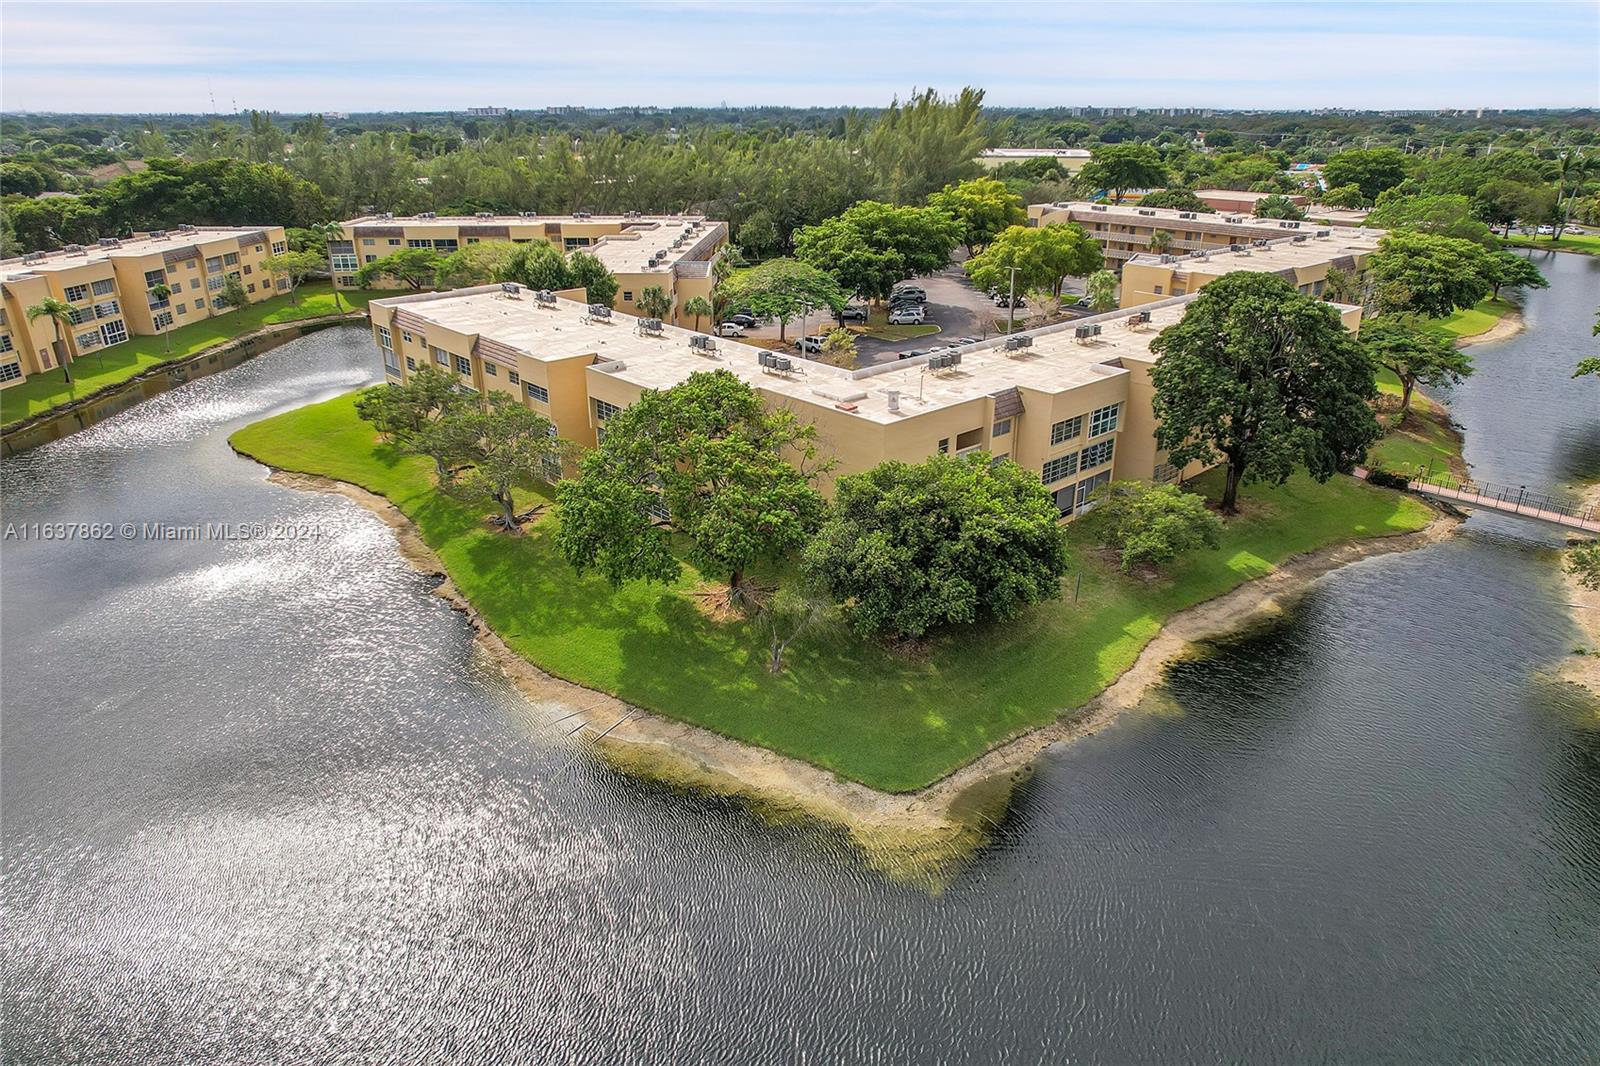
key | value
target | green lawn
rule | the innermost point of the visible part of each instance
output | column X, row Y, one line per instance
column 110, row 366
column 1427, row 441
column 893, row 722
column 877, row 326
column 1585, row 243
column 1474, row 320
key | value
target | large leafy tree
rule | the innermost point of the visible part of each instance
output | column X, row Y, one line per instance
column 1415, row 355
column 1043, row 256
column 1428, row 275
column 1178, row 199
column 1504, row 201
column 1346, row 196
column 1507, row 269
column 1444, row 216
column 734, row 477
column 296, row 267
column 1120, row 167
column 950, row 541
column 784, row 289
column 538, row 265
column 410, row 415
column 1266, row 379
column 474, row 264
column 413, row 267
column 504, row 447
column 1372, row 170
column 1151, row 525
column 983, row 206
column 591, row 274
column 873, row 245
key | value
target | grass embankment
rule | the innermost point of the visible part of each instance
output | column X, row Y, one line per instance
column 1428, row 441
column 893, row 722
column 101, row 369
column 1582, row 243
column 1472, row 321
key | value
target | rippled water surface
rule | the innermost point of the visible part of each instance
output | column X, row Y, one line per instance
column 265, row 802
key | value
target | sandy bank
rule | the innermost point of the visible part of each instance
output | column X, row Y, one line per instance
column 1510, row 324
column 921, row 836
column 1584, row 605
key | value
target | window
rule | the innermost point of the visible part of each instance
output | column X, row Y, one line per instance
column 970, row 439
column 214, row 263
column 247, row 268
column 163, row 320
column 516, row 378
column 390, row 362
column 283, row 283
column 394, row 242
column 344, row 261
column 88, row 340
column 216, row 282
column 489, row 369
column 1104, row 420
column 250, row 287
column 367, row 242
column 1096, row 454
column 182, row 309
column 441, row 357
column 194, row 283
column 158, row 302
column 188, row 264
column 1066, row 430
column 107, row 309
column 944, row 446
column 411, row 364
column 419, row 242
column 627, row 296
column 5, row 342
column 1164, row 472
column 1158, row 290
column 385, row 339
column 152, row 278
column 1087, row 486
column 405, row 335
column 231, row 259
column 104, row 287
column 372, row 259
column 552, row 463
column 542, row 394
column 602, row 410
column 279, row 247
column 463, row 365
column 114, row 332
column 10, row 371
column 80, row 315
column 444, row 245
column 1001, row 428
column 77, row 293
column 1063, row 466
column 346, row 280
column 577, row 242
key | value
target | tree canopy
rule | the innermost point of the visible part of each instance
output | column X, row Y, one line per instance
column 1277, row 206
column 1043, row 256
column 413, row 267
column 1372, row 170
column 475, row 264
column 1428, row 275
column 502, row 446
column 1414, row 355
column 983, row 206
column 734, row 477
column 873, row 245
column 784, row 289
column 1177, row 198
column 1121, row 167
column 1151, row 525
column 1266, row 378
column 1508, row 269
column 910, row 548
column 1444, row 216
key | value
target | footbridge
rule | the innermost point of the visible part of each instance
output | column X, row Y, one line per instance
column 1519, row 500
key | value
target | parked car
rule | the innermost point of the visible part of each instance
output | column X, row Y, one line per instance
column 1001, row 301
column 853, row 313
column 1083, row 302
column 1547, row 231
column 810, row 345
column 913, row 353
column 730, row 329
column 961, row 342
column 907, row 298
column 743, row 320
column 906, row 316
column 909, row 290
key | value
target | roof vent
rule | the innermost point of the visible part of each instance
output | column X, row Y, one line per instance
column 893, row 396
column 1083, row 333
column 1147, row 211
column 1097, row 207
column 1144, row 316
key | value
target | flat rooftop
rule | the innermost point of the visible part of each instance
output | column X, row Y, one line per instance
column 1235, row 194
column 657, row 244
column 1034, row 153
column 1056, row 361
column 140, row 245
column 1133, row 214
column 1280, row 253
column 527, row 218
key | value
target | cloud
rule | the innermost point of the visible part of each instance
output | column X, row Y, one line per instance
column 356, row 57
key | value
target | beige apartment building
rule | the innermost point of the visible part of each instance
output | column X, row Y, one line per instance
column 672, row 252
column 1304, row 260
column 1071, row 401
column 1241, row 203
column 1126, row 230
column 108, row 285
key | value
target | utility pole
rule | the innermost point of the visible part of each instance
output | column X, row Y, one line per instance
column 1011, row 303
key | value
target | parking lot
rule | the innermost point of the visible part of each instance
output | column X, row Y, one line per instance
column 954, row 306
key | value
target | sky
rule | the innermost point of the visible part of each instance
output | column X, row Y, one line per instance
column 292, row 57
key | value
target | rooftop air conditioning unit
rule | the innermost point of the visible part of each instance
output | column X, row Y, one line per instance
column 1324, row 233
column 1197, row 255
column 511, row 288
column 782, row 364
column 1235, row 218
column 1147, row 211
column 158, row 233
column 1235, row 247
column 1261, row 242
column 429, row 214
column 650, row 325
column 33, row 257
column 485, row 214
column 73, row 249
column 1144, row 316
column 109, row 242
column 1187, row 214
column 1014, row 343
column 1299, row 238
column 703, row 342
column 1097, row 207
column 1165, row 258
column 764, row 357
column 1082, row 332
column 545, row 296
column 599, row 311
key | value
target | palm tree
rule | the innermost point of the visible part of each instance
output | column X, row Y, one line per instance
column 699, row 307
column 331, row 231
column 159, row 293
column 1160, row 241
column 60, row 314
column 1570, row 168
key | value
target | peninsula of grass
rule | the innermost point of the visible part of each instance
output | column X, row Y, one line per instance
column 97, row 370
column 1475, row 320
column 892, row 721
column 1582, row 243
column 1427, row 443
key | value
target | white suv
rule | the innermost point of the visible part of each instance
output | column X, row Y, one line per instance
column 906, row 316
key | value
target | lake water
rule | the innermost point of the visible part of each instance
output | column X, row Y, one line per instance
column 267, row 802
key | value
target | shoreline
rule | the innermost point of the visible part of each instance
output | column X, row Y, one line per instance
column 921, row 836
column 1507, row 326
column 1583, row 605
